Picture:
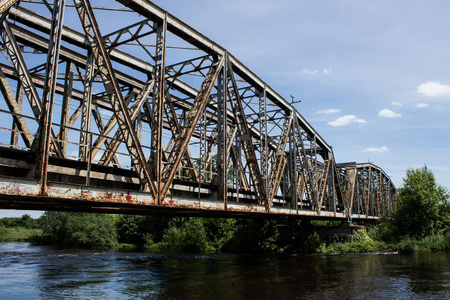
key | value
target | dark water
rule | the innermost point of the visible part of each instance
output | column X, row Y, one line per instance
column 30, row 272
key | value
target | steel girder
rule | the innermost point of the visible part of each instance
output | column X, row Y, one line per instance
column 170, row 104
column 6, row 4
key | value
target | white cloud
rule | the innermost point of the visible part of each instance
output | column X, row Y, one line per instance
column 433, row 89
column 309, row 72
column 396, row 103
column 329, row 111
column 346, row 120
column 387, row 113
column 421, row 105
column 379, row 150
column 315, row 71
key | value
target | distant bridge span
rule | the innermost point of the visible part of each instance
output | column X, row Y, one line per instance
column 129, row 110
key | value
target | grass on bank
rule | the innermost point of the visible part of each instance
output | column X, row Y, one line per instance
column 361, row 242
column 18, row 234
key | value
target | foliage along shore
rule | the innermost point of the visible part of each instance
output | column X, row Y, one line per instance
column 421, row 222
column 201, row 235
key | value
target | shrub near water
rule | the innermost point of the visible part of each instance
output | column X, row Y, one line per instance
column 189, row 237
column 193, row 235
column 358, row 242
column 17, row 234
column 438, row 242
column 80, row 230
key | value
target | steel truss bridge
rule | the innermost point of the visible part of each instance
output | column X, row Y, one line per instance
column 130, row 110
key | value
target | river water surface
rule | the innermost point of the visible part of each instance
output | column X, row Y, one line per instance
column 36, row 272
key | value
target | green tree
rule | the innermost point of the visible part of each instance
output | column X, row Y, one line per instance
column 219, row 231
column 80, row 230
column 192, row 235
column 419, row 205
column 133, row 229
column 184, row 235
column 26, row 221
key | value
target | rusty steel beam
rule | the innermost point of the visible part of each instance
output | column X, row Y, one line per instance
column 158, row 106
column 85, row 136
column 44, row 137
column 6, row 4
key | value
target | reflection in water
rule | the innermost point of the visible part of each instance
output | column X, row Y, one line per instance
column 40, row 272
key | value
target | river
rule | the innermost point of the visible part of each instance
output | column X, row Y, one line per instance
column 36, row 272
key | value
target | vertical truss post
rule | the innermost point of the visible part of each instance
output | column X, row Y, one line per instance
column 222, row 147
column 201, row 159
column 45, row 123
column 65, row 109
column 86, row 110
column 352, row 174
column 332, row 182
column 357, row 194
column 238, row 166
column 388, row 195
column 89, row 159
column 381, row 193
column 263, row 141
column 369, row 192
column 316, row 176
column 158, row 104
column 293, row 151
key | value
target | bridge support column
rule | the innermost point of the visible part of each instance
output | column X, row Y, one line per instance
column 222, row 147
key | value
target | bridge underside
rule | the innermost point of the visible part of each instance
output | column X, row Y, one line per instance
column 126, row 109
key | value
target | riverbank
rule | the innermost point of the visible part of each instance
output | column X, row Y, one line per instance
column 433, row 243
column 203, row 236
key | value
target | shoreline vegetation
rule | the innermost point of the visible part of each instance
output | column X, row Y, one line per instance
column 421, row 222
column 194, row 235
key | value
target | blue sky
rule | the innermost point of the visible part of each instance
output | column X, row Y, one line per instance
column 373, row 77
